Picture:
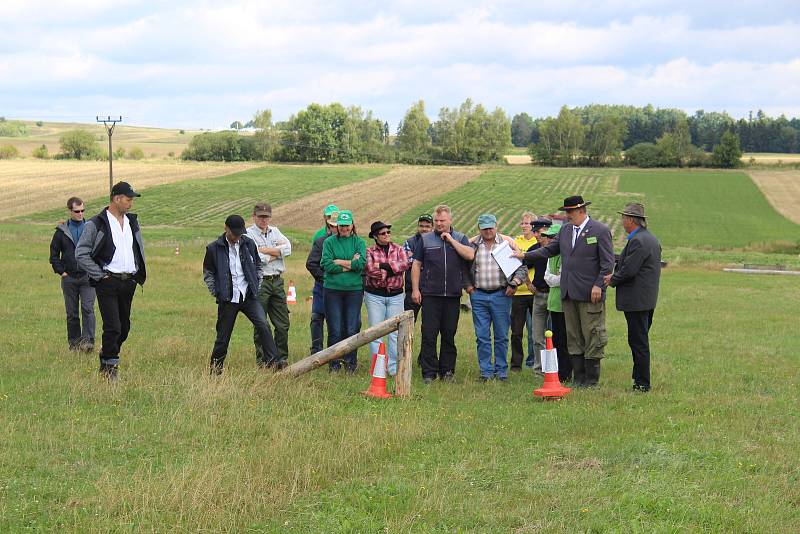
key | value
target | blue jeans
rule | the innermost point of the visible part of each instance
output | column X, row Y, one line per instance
column 378, row 310
column 343, row 313
column 491, row 314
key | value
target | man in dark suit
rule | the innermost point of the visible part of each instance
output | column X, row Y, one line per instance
column 587, row 256
column 636, row 279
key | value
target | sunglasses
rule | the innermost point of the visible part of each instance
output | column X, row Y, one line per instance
column 78, row 211
column 385, row 232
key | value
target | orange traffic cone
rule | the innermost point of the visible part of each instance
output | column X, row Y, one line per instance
column 291, row 295
column 381, row 350
column 552, row 388
column 377, row 386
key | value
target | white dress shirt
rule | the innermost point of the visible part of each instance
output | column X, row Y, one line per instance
column 237, row 273
column 123, row 260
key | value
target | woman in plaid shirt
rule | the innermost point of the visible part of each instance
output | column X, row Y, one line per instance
column 383, row 286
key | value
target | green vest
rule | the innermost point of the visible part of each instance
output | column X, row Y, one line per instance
column 554, row 297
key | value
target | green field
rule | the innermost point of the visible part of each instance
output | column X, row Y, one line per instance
column 713, row 447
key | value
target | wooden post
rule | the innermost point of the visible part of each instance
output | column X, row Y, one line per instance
column 405, row 343
column 346, row 345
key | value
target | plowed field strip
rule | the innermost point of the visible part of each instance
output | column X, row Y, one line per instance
column 782, row 189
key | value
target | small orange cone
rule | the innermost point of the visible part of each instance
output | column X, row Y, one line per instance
column 377, row 386
column 381, row 350
column 291, row 295
column 552, row 388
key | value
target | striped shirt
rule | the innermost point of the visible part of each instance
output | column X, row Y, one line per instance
column 486, row 271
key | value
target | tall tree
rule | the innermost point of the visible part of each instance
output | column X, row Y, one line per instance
column 727, row 154
column 521, row 129
column 413, row 139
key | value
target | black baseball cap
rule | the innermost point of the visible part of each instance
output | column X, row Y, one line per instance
column 425, row 217
column 235, row 224
column 124, row 188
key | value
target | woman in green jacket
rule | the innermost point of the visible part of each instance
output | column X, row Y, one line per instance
column 343, row 260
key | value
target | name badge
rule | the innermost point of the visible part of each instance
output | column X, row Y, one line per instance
column 591, row 240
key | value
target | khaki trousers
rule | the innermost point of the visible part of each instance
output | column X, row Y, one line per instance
column 586, row 328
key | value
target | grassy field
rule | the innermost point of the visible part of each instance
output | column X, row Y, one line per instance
column 154, row 142
column 713, row 447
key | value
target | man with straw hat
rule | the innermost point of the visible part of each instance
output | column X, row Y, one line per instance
column 636, row 278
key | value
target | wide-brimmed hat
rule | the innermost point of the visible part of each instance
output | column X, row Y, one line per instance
column 235, row 224
column 345, row 218
column 573, row 202
column 634, row 209
column 376, row 227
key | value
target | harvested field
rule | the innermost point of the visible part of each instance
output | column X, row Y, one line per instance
column 782, row 189
column 29, row 186
column 517, row 159
column 385, row 197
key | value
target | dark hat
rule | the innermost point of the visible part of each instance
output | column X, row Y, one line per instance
column 235, row 224
column 634, row 209
column 124, row 188
column 376, row 227
column 542, row 222
column 262, row 208
column 573, row 202
column 425, row 217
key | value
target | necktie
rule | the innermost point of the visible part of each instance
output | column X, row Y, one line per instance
column 575, row 232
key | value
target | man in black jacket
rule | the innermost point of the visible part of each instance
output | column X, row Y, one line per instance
column 111, row 252
column 78, row 293
column 231, row 272
column 424, row 226
column 636, row 278
column 318, row 303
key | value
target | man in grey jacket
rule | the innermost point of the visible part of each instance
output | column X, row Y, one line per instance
column 111, row 252
column 587, row 256
column 78, row 292
column 636, row 278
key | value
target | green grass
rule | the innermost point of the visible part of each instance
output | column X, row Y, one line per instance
column 713, row 447
column 708, row 209
column 207, row 202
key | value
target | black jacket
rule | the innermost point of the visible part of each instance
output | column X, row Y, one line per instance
column 444, row 272
column 62, row 252
column 217, row 270
column 314, row 257
column 638, row 273
column 96, row 248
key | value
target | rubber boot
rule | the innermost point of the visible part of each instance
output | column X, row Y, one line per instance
column 578, row 370
column 108, row 371
column 592, row 373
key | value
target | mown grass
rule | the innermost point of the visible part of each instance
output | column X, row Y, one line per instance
column 708, row 209
column 714, row 447
column 204, row 203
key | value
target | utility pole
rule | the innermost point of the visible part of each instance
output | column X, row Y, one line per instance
column 110, row 129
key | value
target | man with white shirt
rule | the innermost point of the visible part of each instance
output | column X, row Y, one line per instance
column 231, row 272
column 273, row 247
column 111, row 251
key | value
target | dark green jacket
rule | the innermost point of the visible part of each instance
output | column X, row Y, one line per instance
column 343, row 248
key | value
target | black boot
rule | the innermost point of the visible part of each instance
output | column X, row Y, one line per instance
column 592, row 373
column 578, row 370
column 108, row 371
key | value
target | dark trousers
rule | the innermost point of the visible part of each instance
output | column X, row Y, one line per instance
column 79, row 301
column 343, row 313
column 559, row 327
column 114, row 298
column 226, row 319
column 639, row 323
column 521, row 306
column 317, row 325
column 439, row 316
column 273, row 299
column 409, row 304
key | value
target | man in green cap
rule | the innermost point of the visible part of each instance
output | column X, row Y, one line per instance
column 329, row 216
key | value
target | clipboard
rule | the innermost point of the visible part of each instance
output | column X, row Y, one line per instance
column 507, row 263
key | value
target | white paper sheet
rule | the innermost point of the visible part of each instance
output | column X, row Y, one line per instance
column 502, row 255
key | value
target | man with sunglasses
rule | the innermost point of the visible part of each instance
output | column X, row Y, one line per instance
column 273, row 248
column 78, row 293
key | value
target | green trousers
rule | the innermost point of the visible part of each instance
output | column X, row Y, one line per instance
column 273, row 299
column 586, row 328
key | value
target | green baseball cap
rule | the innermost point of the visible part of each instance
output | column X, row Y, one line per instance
column 329, row 210
column 552, row 231
column 487, row 220
column 345, row 218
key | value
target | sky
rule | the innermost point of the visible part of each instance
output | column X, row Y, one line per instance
column 203, row 64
